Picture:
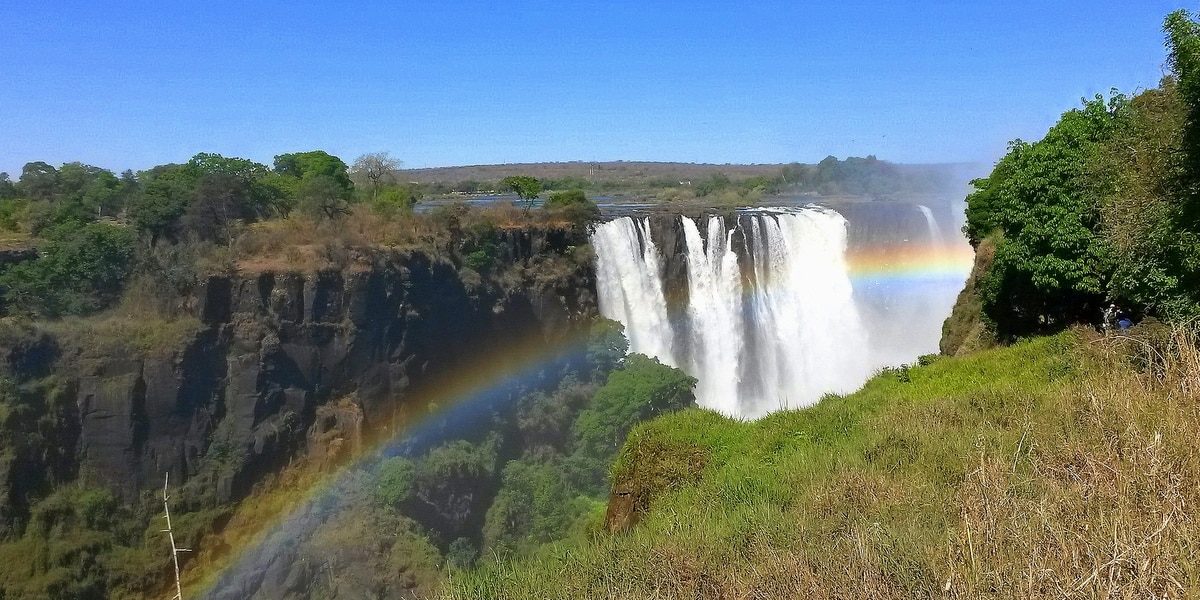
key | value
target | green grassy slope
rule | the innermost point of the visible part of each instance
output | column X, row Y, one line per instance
column 1042, row 469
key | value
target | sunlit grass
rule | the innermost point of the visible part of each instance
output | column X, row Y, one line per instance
column 1039, row 470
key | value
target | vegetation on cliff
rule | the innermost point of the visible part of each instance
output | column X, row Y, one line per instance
column 1100, row 210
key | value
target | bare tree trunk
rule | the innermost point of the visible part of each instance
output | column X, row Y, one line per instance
column 175, row 550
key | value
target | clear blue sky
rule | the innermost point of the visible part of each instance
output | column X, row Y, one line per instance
column 133, row 84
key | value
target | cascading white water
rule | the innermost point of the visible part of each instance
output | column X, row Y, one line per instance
column 935, row 232
column 714, row 313
column 630, row 286
column 770, row 320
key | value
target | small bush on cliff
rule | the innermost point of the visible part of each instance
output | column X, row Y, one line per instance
column 80, row 272
column 574, row 206
column 535, row 505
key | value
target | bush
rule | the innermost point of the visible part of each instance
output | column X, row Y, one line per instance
column 641, row 389
column 396, row 478
column 82, row 270
column 574, row 206
column 532, row 507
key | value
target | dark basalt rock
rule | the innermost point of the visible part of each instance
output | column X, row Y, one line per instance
column 240, row 398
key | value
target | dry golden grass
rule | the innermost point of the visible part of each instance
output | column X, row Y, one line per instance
column 301, row 243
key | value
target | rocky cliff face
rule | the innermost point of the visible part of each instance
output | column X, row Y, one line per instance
column 285, row 363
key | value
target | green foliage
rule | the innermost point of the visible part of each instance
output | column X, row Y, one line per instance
column 321, row 196
column 394, row 200
column 642, row 388
column 526, row 187
column 461, row 554
column 166, row 192
column 219, row 201
column 534, row 506
column 451, row 486
column 1105, row 208
column 316, row 163
column 13, row 213
column 1052, row 264
column 76, row 547
column 8, row 190
column 395, row 484
column 82, row 270
column 565, row 198
column 574, row 206
column 878, row 474
column 38, row 181
column 607, row 346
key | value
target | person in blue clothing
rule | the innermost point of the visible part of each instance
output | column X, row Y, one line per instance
column 1124, row 321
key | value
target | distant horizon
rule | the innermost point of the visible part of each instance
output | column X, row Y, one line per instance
column 15, row 174
column 474, row 83
column 696, row 163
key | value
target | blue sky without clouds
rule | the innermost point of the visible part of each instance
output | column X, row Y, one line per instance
column 132, row 84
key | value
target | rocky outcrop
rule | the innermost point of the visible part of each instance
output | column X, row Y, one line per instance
column 965, row 330
column 649, row 466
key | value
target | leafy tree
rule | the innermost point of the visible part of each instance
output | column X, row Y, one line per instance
column 607, row 346
column 1183, row 43
column 306, row 165
column 39, row 181
column 157, row 207
column 526, row 187
column 574, row 206
column 375, row 169
column 263, row 195
column 535, row 505
column 86, row 192
column 461, row 554
column 207, row 163
column 1052, row 264
column 8, row 190
column 218, row 201
column 639, row 390
column 321, row 196
column 82, row 270
column 1146, row 166
column 544, row 418
column 452, row 485
column 395, row 200
column 396, row 479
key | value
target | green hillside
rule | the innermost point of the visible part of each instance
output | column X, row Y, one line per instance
column 1051, row 466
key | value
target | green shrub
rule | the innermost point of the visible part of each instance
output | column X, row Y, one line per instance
column 82, row 270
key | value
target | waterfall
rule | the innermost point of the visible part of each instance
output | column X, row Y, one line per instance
column 770, row 320
column 935, row 232
column 630, row 286
column 714, row 312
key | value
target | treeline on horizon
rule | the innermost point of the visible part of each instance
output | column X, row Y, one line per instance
column 852, row 176
column 1104, row 209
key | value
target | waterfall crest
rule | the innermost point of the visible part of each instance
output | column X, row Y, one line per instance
column 769, row 320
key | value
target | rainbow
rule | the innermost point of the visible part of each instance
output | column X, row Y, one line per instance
column 466, row 397
column 909, row 263
column 458, row 401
